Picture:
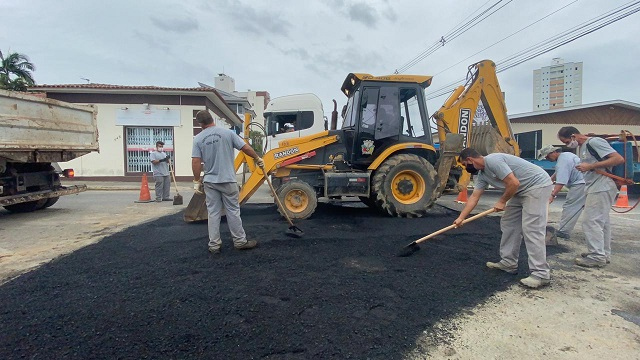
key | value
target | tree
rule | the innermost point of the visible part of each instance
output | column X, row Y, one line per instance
column 15, row 72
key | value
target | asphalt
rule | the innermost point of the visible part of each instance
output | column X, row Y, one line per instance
column 153, row 292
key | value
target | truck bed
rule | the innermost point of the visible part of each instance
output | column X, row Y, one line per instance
column 37, row 129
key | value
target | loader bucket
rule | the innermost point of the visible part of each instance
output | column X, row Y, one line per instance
column 197, row 209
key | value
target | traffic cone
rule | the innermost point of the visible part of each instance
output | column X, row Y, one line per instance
column 145, row 195
column 462, row 196
column 623, row 199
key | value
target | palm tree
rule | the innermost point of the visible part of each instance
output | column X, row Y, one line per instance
column 15, row 72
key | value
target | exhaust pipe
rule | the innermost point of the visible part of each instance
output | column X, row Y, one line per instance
column 334, row 116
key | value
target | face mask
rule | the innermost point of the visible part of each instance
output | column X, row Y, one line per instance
column 160, row 149
column 573, row 144
column 470, row 169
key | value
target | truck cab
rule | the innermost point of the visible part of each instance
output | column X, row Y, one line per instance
column 293, row 116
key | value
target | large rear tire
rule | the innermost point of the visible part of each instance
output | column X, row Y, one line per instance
column 298, row 198
column 51, row 201
column 405, row 186
column 27, row 206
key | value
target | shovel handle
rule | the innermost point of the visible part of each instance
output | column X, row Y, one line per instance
column 275, row 195
column 482, row 214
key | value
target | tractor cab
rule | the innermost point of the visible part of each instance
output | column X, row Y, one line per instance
column 383, row 111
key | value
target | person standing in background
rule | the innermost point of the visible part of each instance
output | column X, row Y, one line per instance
column 160, row 166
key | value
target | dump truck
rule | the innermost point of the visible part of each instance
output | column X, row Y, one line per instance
column 384, row 153
column 36, row 134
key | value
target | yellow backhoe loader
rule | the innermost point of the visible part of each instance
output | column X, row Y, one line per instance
column 384, row 153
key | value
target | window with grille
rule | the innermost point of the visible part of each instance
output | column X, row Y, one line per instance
column 140, row 141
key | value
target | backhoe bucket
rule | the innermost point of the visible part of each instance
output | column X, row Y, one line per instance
column 197, row 209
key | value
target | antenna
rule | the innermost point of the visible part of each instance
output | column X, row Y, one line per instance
column 85, row 79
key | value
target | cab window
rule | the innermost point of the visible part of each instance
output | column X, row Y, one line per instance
column 281, row 123
column 412, row 124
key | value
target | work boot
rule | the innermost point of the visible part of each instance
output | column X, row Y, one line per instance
column 585, row 254
column 158, row 200
column 500, row 266
column 590, row 263
column 250, row 244
column 534, row 282
column 214, row 250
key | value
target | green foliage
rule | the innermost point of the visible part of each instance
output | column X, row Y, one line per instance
column 257, row 141
column 15, row 72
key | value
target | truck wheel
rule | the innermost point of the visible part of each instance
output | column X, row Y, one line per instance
column 26, row 206
column 298, row 198
column 51, row 201
column 405, row 186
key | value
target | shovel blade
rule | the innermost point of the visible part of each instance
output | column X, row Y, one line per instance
column 177, row 200
column 550, row 238
column 197, row 209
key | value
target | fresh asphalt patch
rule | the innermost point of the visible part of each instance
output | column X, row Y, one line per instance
column 153, row 291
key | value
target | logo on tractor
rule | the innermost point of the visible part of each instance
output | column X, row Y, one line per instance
column 463, row 128
column 367, row 147
column 287, row 152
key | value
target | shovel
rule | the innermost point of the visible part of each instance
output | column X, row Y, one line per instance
column 293, row 231
column 177, row 199
column 551, row 237
column 413, row 247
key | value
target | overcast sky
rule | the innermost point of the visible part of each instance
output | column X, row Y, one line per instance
column 294, row 46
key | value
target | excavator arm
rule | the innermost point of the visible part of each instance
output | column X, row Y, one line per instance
column 479, row 113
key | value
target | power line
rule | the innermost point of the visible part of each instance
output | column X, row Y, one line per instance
column 553, row 42
column 454, row 33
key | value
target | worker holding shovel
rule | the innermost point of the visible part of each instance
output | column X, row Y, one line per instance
column 567, row 175
column 527, row 188
column 214, row 147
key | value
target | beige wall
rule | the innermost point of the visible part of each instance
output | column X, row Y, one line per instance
column 550, row 131
column 110, row 161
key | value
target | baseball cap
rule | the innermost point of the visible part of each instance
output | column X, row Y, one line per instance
column 546, row 150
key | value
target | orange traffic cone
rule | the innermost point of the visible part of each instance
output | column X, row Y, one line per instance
column 462, row 196
column 145, row 195
column 623, row 199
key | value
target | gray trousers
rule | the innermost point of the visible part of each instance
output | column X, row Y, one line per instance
column 219, row 195
column 572, row 208
column 596, row 224
column 525, row 216
column 163, row 187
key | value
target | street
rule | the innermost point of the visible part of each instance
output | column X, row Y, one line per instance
column 137, row 282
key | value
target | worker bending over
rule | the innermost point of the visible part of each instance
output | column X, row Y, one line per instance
column 567, row 175
column 527, row 188
column 595, row 155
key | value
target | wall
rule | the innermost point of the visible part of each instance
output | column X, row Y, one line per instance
column 110, row 161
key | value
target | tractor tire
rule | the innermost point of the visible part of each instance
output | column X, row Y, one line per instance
column 27, row 206
column 298, row 199
column 51, row 201
column 405, row 186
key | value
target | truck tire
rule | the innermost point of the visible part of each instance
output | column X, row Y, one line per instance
column 405, row 186
column 298, row 198
column 27, row 206
column 50, row 202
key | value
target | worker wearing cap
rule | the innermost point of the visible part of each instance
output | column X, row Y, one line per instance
column 524, row 202
column 567, row 175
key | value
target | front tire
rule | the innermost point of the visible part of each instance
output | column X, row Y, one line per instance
column 298, row 199
column 405, row 186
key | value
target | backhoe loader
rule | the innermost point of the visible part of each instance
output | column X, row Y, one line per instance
column 384, row 153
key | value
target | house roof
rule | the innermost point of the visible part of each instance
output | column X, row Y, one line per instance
column 212, row 94
column 613, row 112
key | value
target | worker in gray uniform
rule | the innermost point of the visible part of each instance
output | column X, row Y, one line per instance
column 160, row 167
column 567, row 175
column 527, row 188
column 595, row 155
column 214, row 147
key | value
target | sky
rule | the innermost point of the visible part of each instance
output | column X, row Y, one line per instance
column 290, row 46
